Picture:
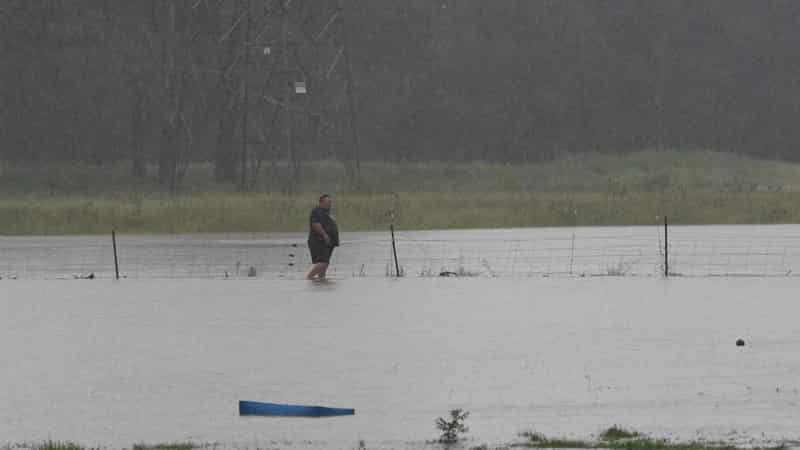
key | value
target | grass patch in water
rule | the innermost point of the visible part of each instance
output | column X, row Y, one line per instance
column 166, row 446
column 616, row 433
column 60, row 445
column 617, row 438
column 661, row 444
column 539, row 440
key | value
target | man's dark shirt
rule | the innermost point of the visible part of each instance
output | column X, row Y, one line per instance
column 323, row 217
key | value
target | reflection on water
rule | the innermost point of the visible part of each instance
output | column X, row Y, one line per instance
column 116, row 363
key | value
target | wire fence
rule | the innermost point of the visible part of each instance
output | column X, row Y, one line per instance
column 692, row 251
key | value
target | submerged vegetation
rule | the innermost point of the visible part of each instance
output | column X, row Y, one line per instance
column 637, row 189
column 454, row 428
column 617, row 438
column 66, row 445
column 57, row 445
column 166, row 446
column 616, row 433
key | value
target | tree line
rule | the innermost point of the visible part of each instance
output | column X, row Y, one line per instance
column 246, row 85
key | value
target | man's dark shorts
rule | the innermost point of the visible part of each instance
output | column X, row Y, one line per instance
column 320, row 251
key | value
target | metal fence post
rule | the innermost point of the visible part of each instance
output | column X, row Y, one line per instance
column 394, row 251
column 666, row 248
column 116, row 260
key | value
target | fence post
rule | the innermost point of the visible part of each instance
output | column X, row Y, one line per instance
column 114, row 243
column 666, row 248
column 394, row 251
column 572, row 254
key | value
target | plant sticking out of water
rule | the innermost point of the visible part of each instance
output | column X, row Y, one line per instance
column 56, row 445
column 454, row 428
column 645, row 443
column 617, row 438
column 616, row 433
column 488, row 268
column 532, row 436
column 391, row 270
column 539, row 440
column 620, row 269
column 426, row 272
column 362, row 272
column 461, row 271
column 166, row 446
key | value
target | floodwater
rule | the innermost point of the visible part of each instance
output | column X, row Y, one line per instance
column 113, row 363
column 699, row 251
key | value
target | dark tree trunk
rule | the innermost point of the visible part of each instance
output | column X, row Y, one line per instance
column 138, row 166
column 224, row 155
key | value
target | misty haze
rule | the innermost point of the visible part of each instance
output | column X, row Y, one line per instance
column 399, row 224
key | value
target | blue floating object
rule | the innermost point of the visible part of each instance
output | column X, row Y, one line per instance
column 273, row 409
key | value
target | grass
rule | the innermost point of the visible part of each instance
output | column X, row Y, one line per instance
column 618, row 174
column 209, row 213
column 617, row 438
column 620, row 269
column 539, row 440
column 614, row 438
column 616, row 433
column 56, row 445
column 166, row 446
column 635, row 189
column 656, row 444
column 66, row 445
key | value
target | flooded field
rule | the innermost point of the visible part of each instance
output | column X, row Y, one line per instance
column 752, row 250
column 115, row 363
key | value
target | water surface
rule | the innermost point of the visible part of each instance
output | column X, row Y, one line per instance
column 115, row 363
column 750, row 250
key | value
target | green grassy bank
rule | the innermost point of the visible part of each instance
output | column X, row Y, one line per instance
column 637, row 189
column 647, row 171
column 208, row 213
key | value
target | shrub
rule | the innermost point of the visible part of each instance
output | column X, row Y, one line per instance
column 452, row 429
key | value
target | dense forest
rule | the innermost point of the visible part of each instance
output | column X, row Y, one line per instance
column 242, row 84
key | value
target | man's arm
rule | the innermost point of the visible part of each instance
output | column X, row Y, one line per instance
column 321, row 231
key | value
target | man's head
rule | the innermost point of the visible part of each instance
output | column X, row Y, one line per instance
column 325, row 201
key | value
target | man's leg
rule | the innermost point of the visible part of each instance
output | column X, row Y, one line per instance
column 326, row 262
column 323, row 269
column 314, row 271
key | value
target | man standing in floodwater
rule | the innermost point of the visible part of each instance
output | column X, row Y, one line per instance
column 323, row 237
